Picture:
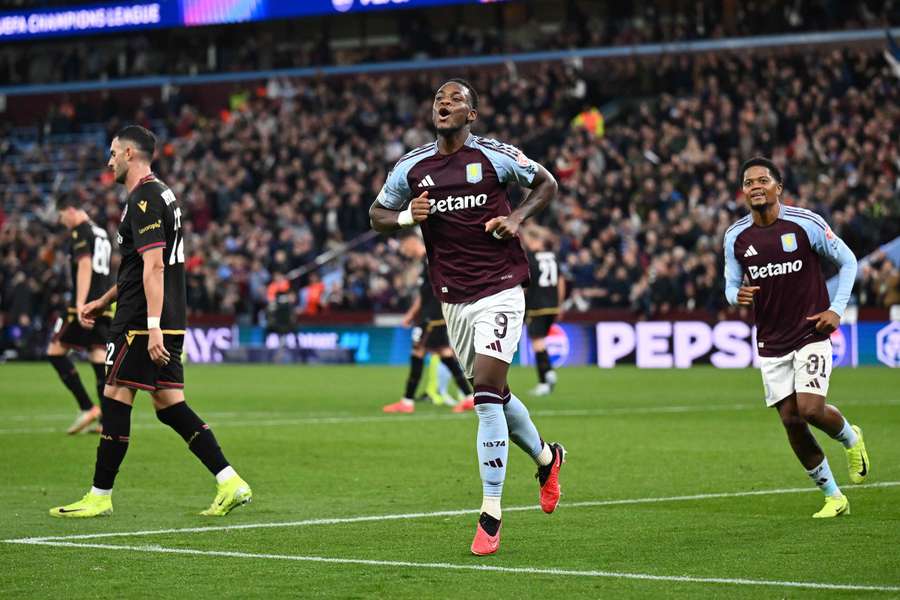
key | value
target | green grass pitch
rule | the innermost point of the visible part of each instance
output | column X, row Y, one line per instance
column 658, row 492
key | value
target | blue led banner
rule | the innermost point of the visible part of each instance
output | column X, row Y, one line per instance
column 128, row 16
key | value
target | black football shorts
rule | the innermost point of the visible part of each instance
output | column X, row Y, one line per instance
column 70, row 334
column 128, row 363
column 539, row 326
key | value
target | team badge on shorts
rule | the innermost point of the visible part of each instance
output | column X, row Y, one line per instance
column 473, row 172
column 789, row 242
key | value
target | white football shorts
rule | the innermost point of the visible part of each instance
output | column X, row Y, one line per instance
column 490, row 325
column 806, row 370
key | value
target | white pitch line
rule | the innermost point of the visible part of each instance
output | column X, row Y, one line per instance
column 393, row 420
column 479, row 567
column 442, row 513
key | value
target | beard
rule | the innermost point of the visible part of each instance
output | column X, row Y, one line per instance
column 761, row 206
column 120, row 177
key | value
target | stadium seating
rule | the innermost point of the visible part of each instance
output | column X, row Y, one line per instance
column 288, row 171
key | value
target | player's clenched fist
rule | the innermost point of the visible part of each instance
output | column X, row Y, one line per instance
column 420, row 207
column 502, row 228
column 745, row 294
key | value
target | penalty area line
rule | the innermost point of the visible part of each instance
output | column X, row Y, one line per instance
column 477, row 567
column 441, row 513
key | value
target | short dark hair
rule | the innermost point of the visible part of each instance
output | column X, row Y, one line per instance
column 141, row 137
column 473, row 95
column 68, row 200
column 761, row 161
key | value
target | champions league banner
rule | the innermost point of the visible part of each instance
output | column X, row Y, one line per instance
column 130, row 16
column 649, row 344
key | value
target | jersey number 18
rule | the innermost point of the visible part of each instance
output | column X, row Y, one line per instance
column 177, row 255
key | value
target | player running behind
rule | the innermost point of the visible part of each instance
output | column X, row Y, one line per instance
column 778, row 248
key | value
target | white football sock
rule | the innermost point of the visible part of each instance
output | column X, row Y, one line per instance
column 491, row 506
column 225, row 474
column 824, row 480
column 847, row 436
column 545, row 457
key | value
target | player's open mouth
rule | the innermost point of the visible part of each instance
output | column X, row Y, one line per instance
column 759, row 195
column 443, row 112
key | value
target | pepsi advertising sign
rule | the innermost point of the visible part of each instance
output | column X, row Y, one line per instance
column 648, row 344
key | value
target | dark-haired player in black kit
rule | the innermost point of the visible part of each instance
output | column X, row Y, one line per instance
column 90, row 250
column 146, row 336
column 429, row 334
column 543, row 304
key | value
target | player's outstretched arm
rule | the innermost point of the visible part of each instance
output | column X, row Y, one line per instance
column 385, row 220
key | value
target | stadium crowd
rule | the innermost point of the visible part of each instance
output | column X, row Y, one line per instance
column 289, row 170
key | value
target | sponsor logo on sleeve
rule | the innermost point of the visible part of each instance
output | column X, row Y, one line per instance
column 522, row 160
column 150, row 227
column 142, row 205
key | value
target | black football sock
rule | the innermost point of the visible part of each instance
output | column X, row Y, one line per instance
column 100, row 374
column 71, row 380
column 196, row 433
column 415, row 375
column 543, row 364
column 489, row 524
column 113, row 442
column 458, row 376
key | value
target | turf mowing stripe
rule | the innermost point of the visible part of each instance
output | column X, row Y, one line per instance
column 393, row 420
column 849, row 587
column 443, row 513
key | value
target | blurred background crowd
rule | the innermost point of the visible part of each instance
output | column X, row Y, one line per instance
column 646, row 151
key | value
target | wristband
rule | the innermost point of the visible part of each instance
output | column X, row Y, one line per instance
column 405, row 218
column 152, row 322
